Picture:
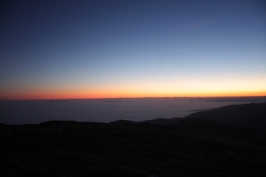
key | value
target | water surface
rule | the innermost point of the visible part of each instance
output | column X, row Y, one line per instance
column 108, row 110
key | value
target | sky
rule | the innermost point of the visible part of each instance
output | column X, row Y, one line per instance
column 67, row 49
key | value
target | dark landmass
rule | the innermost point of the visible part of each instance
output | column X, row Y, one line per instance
column 60, row 101
column 228, row 141
column 246, row 122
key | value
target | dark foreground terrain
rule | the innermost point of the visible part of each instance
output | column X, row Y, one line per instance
column 194, row 146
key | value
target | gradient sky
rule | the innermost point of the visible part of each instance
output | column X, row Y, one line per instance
column 96, row 49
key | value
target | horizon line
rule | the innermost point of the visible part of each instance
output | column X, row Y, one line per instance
column 54, row 99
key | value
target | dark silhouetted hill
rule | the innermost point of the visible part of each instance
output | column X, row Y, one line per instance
column 221, row 142
column 248, row 115
column 244, row 123
column 162, row 121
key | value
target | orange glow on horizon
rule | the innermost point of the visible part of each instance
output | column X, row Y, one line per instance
column 190, row 87
column 35, row 95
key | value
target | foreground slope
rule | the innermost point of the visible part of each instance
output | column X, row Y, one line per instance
column 197, row 145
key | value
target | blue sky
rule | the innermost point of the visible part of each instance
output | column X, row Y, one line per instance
column 91, row 49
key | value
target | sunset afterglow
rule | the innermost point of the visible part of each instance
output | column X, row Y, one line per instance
column 112, row 49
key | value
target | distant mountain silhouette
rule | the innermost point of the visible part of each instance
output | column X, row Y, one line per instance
column 249, row 115
column 162, row 121
column 246, row 122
